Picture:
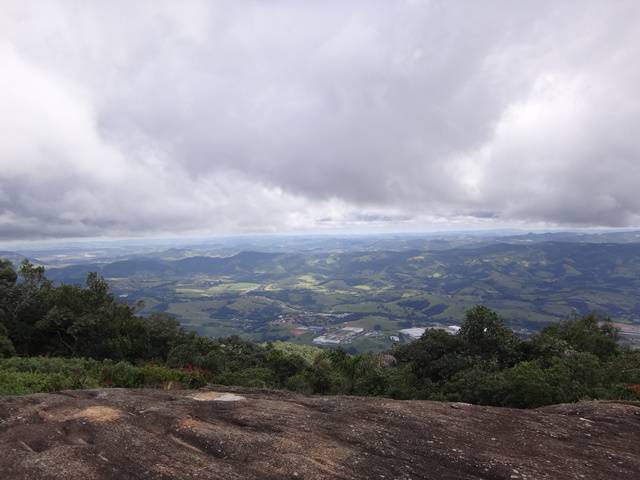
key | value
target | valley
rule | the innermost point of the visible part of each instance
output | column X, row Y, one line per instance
column 365, row 294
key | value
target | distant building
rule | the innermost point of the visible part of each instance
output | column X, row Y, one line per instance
column 416, row 332
column 352, row 329
column 343, row 335
column 413, row 333
column 326, row 340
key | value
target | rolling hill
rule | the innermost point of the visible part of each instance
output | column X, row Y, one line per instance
column 269, row 295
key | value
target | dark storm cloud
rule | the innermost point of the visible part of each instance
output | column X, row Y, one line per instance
column 142, row 117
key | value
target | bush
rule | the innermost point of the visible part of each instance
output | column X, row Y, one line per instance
column 250, row 377
column 6, row 347
column 525, row 386
column 23, row 383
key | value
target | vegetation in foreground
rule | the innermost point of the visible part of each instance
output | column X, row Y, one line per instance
column 62, row 337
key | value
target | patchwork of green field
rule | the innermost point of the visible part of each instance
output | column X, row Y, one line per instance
column 193, row 312
column 275, row 295
column 230, row 287
column 250, row 309
column 376, row 323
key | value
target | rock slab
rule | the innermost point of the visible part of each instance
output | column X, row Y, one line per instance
column 227, row 433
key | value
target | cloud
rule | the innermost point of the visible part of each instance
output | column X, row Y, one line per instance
column 125, row 118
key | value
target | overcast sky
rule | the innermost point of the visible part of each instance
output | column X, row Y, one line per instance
column 126, row 118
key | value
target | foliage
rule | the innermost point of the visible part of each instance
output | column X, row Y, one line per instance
column 73, row 337
column 486, row 363
column 6, row 346
column 67, row 320
column 483, row 334
column 587, row 334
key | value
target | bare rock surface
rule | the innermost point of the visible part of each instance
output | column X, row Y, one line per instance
column 231, row 433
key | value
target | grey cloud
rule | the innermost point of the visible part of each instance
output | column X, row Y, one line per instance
column 128, row 118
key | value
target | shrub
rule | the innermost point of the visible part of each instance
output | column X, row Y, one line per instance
column 22, row 383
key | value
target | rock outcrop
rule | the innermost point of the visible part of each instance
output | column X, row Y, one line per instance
column 252, row 434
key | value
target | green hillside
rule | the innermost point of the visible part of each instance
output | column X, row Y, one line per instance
column 275, row 296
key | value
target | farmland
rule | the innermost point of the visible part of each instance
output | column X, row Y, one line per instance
column 300, row 295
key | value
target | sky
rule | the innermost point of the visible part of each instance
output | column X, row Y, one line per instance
column 125, row 118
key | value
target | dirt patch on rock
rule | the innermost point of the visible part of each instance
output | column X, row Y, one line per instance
column 216, row 396
column 99, row 414
column 155, row 434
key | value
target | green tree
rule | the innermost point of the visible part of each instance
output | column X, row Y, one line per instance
column 592, row 333
column 8, row 279
column 321, row 375
column 525, row 386
column 284, row 365
column 575, row 376
column 32, row 275
column 6, row 347
column 8, row 275
column 435, row 357
column 485, row 334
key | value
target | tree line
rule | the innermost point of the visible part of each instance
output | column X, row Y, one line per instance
column 66, row 336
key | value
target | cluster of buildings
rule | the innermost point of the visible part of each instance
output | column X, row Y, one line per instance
column 342, row 335
column 416, row 332
column 348, row 334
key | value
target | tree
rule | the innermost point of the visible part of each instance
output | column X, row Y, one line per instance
column 8, row 279
column 284, row 365
column 435, row 357
column 592, row 333
column 33, row 275
column 321, row 375
column 8, row 275
column 544, row 347
column 24, row 304
column 6, row 347
column 484, row 334
column 575, row 376
column 526, row 386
